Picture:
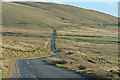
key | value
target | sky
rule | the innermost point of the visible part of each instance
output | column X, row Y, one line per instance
column 105, row 6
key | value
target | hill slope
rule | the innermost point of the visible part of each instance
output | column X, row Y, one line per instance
column 28, row 25
column 51, row 15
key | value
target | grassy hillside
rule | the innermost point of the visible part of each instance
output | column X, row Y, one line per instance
column 27, row 27
column 37, row 14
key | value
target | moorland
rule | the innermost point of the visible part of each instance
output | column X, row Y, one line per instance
column 90, row 38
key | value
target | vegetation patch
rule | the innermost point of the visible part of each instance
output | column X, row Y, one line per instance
column 22, row 35
column 66, row 26
column 0, row 73
column 13, row 50
column 62, row 66
column 3, row 73
column 89, row 64
column 55, row 61
column 18, row 50
column 90, row 38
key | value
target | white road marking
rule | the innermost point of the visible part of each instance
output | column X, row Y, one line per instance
column 27, row 62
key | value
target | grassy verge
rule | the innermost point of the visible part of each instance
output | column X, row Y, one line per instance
column 90, row 64
column 91, row 38
column 0, row 73
column 4, row 71
column 13, row 50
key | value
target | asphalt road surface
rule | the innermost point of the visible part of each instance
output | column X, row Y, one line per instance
column 37, row 68
column 53, row 48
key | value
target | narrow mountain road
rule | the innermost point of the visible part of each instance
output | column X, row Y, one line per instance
column 37, row 68
column 53, row 48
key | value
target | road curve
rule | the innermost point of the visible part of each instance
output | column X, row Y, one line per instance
column 37, row 68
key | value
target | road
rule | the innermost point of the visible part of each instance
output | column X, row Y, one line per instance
column 53, row 48
column 37, row 68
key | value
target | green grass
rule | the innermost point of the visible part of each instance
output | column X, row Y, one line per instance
column 3, row 73
column 39, row 48
column 0, row 73
column 61, row 65
column 91, row 38
column 76, row 27
column 66, row 26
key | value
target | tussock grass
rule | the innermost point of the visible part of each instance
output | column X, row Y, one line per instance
column 91, row 64
column 93, row 53
column 14, row 50
column 32, row 19
column 19, row 50
column 55, row 61
column 83, row 31
column 90, row 54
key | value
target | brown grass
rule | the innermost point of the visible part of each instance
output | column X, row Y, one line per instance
column 28, row 31
column 14, row 48
column 88, row 31
column 94, row 58
column 90, row 64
